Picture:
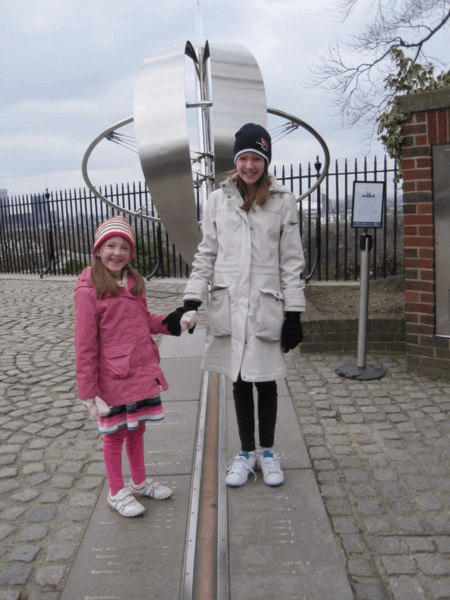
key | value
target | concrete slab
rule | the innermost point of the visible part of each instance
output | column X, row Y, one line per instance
column 169, row 444
column 133, row 559
column 184, row 378
column 281, row 543
column 289, row 443
column 186, row 345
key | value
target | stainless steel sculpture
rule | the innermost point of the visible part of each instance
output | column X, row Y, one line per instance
column 230, row 93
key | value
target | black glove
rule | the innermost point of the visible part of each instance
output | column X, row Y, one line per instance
column 291, row 332
column 172, row 321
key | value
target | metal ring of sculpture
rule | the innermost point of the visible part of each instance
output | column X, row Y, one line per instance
column 229, row 75
column 139, row 213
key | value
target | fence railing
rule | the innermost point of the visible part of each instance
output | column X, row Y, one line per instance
column 53, row 232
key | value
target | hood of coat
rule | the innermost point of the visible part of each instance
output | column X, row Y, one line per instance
column 84, row 280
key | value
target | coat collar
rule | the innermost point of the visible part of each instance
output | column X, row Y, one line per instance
column 229, row 187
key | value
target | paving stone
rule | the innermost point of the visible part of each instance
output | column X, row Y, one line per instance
column 6, row 530
column 386, row 545
column 8, row 472
column 356, row 475
column 359, row 567
column 439, row 588
column 32, row 468
column 369, row 591
column 33, row 533
column 9, row 595
column 51, row 497
column 398, row 565
column 344, row 525
column 15, row 575
column 377, row 525
column 90, row 483
column 11, row 513
column 25, row 553
column 26, row 495
column 42, row 514
column 37, row 478
column 60, row 552
column 68, row 533
column 439, row 523
column 352, row 544
column 62, row 481
column 443, row 545
column 50, row 575
column 428, row 502
column 433, row 565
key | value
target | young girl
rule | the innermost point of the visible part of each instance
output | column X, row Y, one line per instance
column 252, row 256
column 117, row 361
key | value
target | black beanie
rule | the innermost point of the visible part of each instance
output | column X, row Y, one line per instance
column 253, row 138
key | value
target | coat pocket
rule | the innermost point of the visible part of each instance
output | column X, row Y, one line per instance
column 219, row 312
column 269, row 317
column 118, row 361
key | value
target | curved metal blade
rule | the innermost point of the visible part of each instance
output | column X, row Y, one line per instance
column 238, row 97
column 163, row 144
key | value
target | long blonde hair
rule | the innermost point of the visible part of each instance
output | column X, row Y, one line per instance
column 262, row 188
column 105, row 282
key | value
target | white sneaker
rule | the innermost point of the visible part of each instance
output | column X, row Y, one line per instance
column 269, row 465
column 125, row 503
column 241, row 465
column 151, row 489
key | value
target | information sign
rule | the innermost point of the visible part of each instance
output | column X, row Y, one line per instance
column 368, row 201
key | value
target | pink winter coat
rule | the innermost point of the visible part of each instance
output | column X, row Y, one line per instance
column 116, row 357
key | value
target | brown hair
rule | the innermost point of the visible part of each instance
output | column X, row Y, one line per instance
column 105, row 282
column 262, row 188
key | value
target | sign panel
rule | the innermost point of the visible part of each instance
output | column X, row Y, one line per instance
column 368, row 201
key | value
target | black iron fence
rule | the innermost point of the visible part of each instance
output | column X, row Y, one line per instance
column 52, row 233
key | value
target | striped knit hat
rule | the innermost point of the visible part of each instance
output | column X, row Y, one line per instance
column 112, row 227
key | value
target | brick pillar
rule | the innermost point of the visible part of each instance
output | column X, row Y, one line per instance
column 428, row 124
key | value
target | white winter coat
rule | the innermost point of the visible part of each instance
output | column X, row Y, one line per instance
column 253, row 261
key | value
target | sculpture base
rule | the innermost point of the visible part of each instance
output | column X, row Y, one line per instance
column 361, row 373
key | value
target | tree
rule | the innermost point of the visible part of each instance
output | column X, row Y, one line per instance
column 356, row 72
column 411, row 77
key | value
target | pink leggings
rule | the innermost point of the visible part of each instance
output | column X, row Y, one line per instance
column 112, row 453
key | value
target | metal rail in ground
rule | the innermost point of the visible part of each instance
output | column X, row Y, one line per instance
column 193, row 554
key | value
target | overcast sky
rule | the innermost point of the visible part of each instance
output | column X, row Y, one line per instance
column 69, row 67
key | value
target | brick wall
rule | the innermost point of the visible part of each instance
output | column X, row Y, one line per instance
column 428, row 124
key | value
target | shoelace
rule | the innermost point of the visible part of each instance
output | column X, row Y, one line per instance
column 238, row 466
column 271, row 463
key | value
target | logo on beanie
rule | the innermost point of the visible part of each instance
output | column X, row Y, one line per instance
column 264, row 145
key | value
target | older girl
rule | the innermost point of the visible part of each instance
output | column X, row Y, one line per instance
column 252, row 256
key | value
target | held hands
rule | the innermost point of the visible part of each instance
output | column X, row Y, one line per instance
column 291, row 332
column 173, row 320
column 189, row 321
column 96, row 406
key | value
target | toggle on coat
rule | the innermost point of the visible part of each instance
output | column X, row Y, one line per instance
column 253, row 261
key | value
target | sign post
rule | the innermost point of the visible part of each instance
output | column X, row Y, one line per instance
column 367, row 211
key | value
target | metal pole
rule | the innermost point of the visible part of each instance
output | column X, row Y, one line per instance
column 361, row 371
column 365, row 246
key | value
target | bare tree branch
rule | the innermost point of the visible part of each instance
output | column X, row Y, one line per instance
column 354, row 71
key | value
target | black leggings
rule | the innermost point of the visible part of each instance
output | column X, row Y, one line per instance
column 245, row 412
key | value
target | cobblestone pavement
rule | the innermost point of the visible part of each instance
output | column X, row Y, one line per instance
column 380, row 451
column 51, row 463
